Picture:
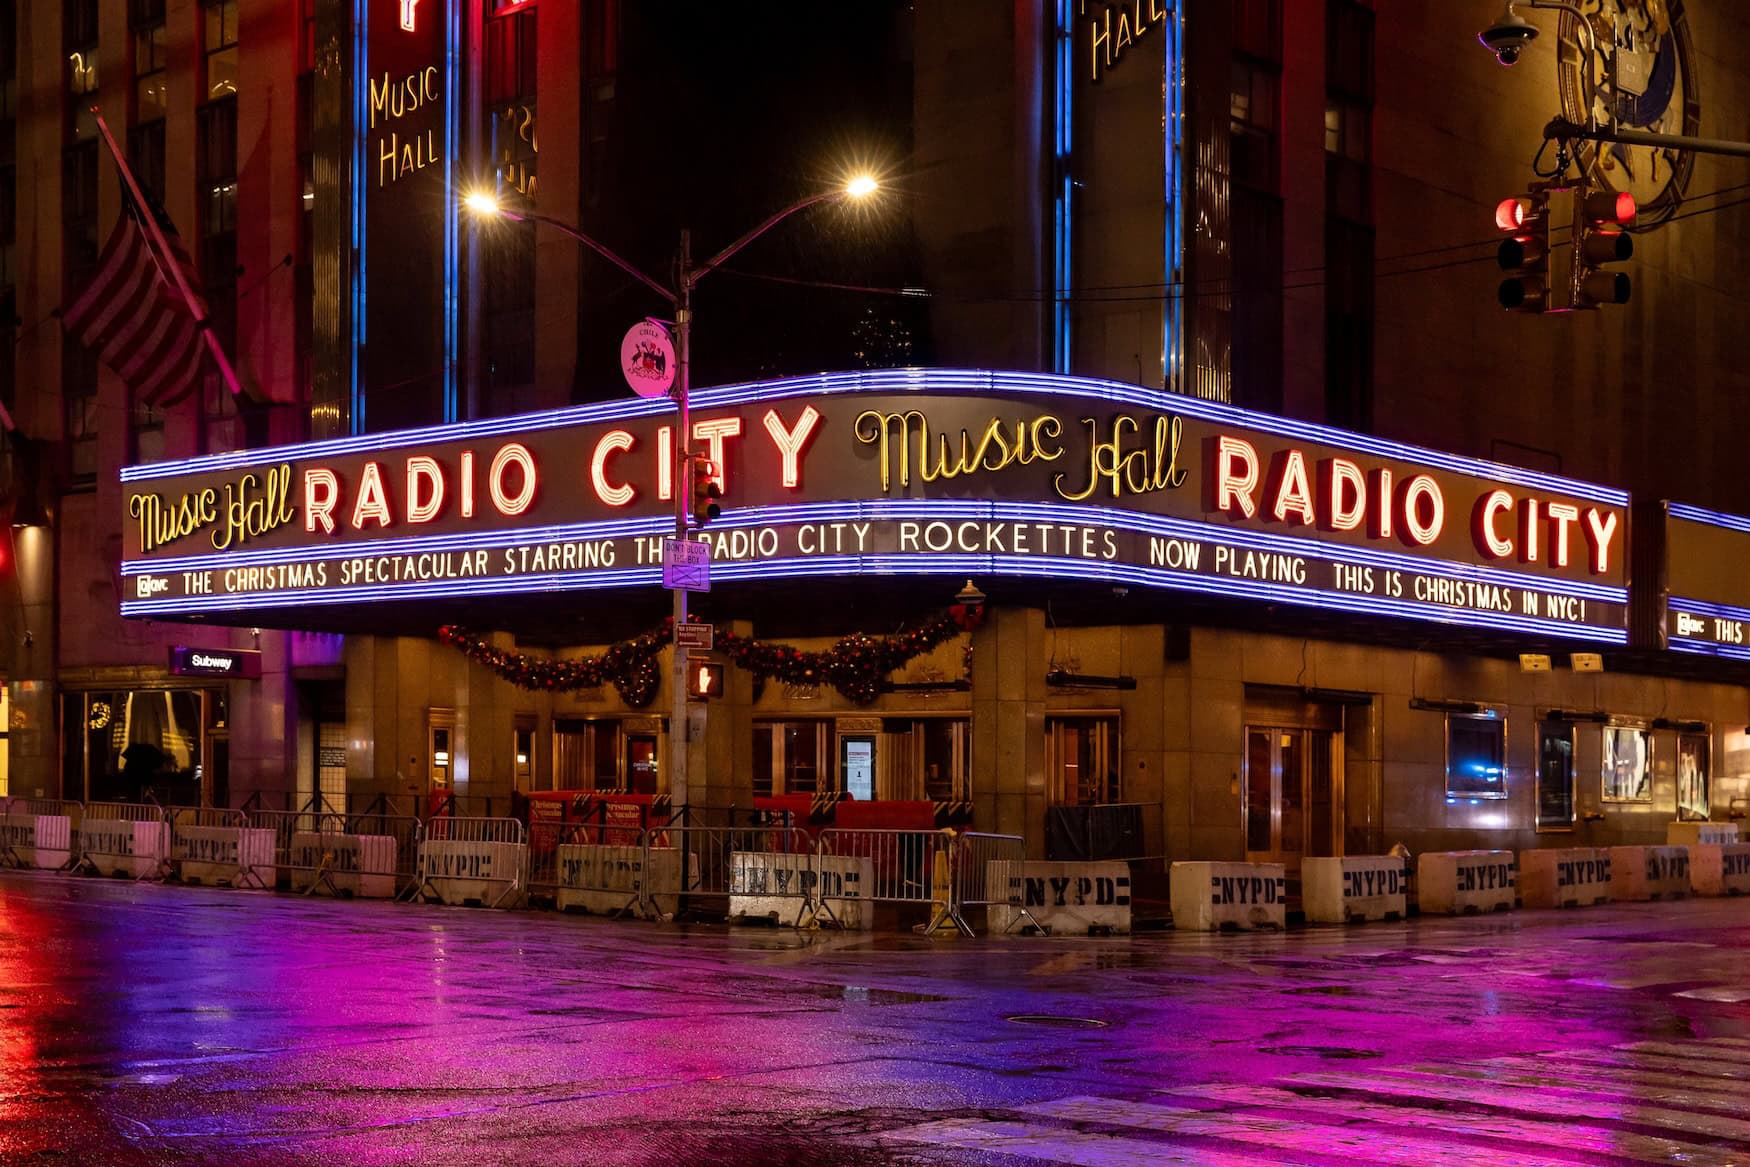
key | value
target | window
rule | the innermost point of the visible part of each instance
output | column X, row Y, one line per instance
column 219, row 42
column 79, row 39
column 150, row 90
column 1252, row 124
column 1693, row 751
column 146, row 156
column 1349, row 237
column 943, row 747
column 587, row 755
column 79, row 213
column 1555, row 776
column 79, row 392
column 789, row 757
column 216, row 195
column 1628, row 764
column 123, row 745
column 1476, row 755
column 1082, row 761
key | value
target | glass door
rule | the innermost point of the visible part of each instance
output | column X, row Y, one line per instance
column 1292, row 795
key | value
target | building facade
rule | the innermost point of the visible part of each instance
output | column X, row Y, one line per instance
column 1270, row 207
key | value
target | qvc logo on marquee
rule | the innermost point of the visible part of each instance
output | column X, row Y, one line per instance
column 1337, row 494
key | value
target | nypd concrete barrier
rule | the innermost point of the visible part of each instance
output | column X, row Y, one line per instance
column 474, row 861
column 613, row 879
column 801, row 888
column 1704, row 834
column 38, row 832
column 1208, row 897
column 1720, row 869
column 1062, row 899
column 343, row 864
column 1458, row 883
column 124, row 839
column 1706, row 842
column 1354, row 888
column 1649, row 873
column 214, row 846
column 1564, row 877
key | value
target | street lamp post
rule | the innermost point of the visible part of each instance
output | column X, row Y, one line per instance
column 680, row 300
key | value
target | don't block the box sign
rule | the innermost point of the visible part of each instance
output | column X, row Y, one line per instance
column 1354, row 888
column 1209, row 897
column 1458, row 883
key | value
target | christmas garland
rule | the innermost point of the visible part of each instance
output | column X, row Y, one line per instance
column 856, row 665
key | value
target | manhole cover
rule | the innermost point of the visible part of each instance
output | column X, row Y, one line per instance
column 1052, row 1020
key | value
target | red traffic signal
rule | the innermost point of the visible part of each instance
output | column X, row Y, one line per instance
column 706, row 492
column 1525, row 256
column 704, row 680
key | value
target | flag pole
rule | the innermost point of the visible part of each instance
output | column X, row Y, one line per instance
column 167, row 262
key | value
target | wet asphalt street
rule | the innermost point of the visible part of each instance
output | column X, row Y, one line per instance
column 146, row 1025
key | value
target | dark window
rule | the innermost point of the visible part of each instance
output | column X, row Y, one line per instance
column 79, row 392
column 219, row 45
column 79, row 213
column 216, row 194
column 510, row 57
column 1555, row 776
column 1349, row 237
column 1476, row 756
column 79, row 39
column 1252, row 123
column 150, row 89
column 146, row 156
column 508, row 248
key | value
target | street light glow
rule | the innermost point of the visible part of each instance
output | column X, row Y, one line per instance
column 481, row 202
column 862, row 186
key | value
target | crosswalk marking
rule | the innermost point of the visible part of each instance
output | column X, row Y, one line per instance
column 1548, row 1076
column 1649, row 1101
column 1057, row 1145
column 1592, row 1139
column 1356, row 1144
column 1543, row 1101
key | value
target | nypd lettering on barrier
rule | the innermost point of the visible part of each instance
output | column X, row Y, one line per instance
column 1247, row 890
column 1663, row 864
column 1582, row 872
column 1369, row 882
column 1485, row 876
column 1735, row 865
column 219, row 849
column 1063, row 891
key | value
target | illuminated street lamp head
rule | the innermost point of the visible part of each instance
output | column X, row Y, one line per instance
column 482, row 202
column 862, row 186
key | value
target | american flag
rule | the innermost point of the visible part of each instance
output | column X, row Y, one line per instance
column 134, row 318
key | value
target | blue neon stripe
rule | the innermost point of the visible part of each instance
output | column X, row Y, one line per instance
column 928, row 509
column 1723, row 611
column 890, row 381
column 1710, row 648
column 953, row 565
column 1679, row 510
column 360, row 114
column 452, row 208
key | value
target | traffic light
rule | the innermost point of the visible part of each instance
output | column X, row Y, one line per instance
column 1600, row 239
column 704, row 680
column 706, row 492
column 1525, row 253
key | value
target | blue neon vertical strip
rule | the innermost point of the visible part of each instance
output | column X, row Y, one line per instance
column 1061, row 148
column 1172, row 314
column 452, row 211
column 361, row 19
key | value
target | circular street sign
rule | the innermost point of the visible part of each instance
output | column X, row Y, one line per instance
column 647, row 359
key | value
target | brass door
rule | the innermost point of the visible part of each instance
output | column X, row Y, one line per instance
column 1293, row 794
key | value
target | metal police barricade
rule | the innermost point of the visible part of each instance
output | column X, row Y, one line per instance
column 39, row 833
column 990, row 873
column 476, row 861
column 286, row 825
column 399, row 833
column 859, row 868
column 691, row 871
column 129, row 839
column 593, row 874
column 216, row 846
column 350, row 855
column 774, row 874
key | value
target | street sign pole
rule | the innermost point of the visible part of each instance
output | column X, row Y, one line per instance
column 678, row 730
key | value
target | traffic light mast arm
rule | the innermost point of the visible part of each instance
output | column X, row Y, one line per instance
column 1563, row 130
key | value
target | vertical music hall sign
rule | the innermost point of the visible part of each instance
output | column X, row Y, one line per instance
column 406, row 108
column 384, row 137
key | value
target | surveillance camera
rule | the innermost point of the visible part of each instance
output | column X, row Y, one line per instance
column 1508, row 36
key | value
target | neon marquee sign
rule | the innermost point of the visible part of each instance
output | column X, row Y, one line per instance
column 905, row 472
